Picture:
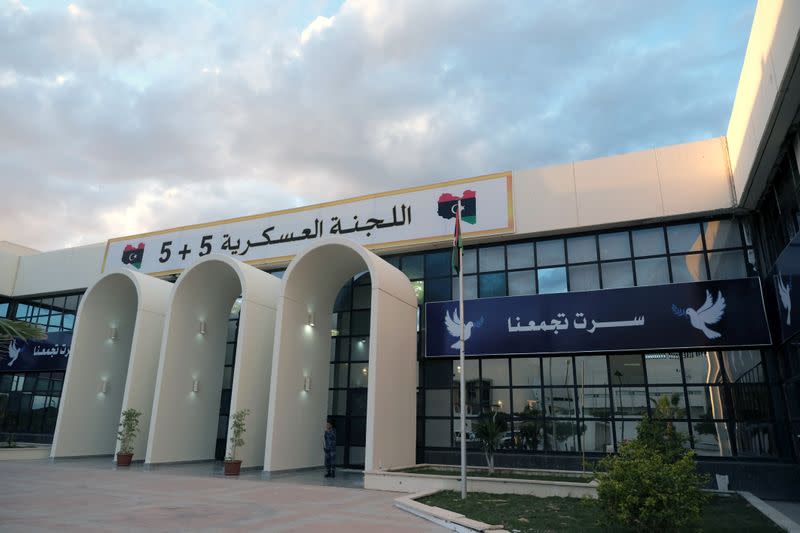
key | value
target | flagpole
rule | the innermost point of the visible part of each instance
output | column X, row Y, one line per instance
column 461, row 362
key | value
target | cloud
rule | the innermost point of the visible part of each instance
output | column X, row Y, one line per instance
column 121, row 119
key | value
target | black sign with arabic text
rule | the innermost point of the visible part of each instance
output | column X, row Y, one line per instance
column 701, row 315
column 51, row 354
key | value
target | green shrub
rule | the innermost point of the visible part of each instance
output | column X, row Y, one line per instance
column 489, row 431
column 653, row 483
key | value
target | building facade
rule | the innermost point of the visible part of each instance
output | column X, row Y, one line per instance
column 720, row 211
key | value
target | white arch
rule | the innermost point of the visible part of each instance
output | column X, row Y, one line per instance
column 125, row 357
column 184, row 425
column 296, row 418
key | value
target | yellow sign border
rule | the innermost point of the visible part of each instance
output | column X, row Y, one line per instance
column 409, row 242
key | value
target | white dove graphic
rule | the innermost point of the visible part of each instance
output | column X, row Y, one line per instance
column 13, row 352
column 784, row 290
column 709, row 313
column 454, row 327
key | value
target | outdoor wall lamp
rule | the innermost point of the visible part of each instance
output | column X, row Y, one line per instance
column 306, row 383
column 113, row 333
column 311, row 319
column 104, row 386
column 202, row 327
column 196, row 385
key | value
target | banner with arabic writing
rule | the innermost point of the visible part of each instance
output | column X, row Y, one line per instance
column 51, row 354
column 398, row 218
column 785, row 282
column 701, row 315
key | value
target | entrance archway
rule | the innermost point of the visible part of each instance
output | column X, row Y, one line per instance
column 298, row 399
column 190, row 373
column 113, row 363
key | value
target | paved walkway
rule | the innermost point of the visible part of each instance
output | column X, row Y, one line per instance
column 91, row 495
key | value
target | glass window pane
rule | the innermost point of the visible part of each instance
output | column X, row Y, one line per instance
column 437, row 433
column 687, row 268
column 437, row 402
column 552, row 280
column 591, row 370
column 722, row 234
column 702, row 367
column 684, row 238
column 616, row 275
column 652, row 271
column 521, row 282
column 755, row 439
column 582, row 249
column 614, row 245
column 663, row 368
column 520, row 255
column 492, row 285
column 438, row 290
column 597, row 436
column 707, row 403
column 712, row 439
column 337, row 403
column 438, row 263
column 527, row 402
column 359, row 348
column 584, row 278
column 750, row 401
column 342, row 324
column 499, row 401
column 413, row 266
column 470, row 261
column 361, row 296
column 561, row 435
column 629, row 402
column 557, row 370
column 626, row 369
column 419, row 290
column 743, row 366
column 343, row 299
column 550, row 252
column 559, row 401
column 727, row 265
column 492, row 258
column 525, row 371
column 359, row 324
column 338, row 375
column 648, row 242
column 495, row 371
column 675, row 399
column 470, row 287
column 594, row 402
column 358, row 375
column 438, row 373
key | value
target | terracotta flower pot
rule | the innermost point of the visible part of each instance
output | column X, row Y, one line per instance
column 232, row 467
column 124, row 459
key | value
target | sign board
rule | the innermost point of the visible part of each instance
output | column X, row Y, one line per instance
column 51, row 354
column 786, row 283
column 681, row 316
column 380, row 221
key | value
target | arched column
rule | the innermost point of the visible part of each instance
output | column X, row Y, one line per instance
column 296, row 417
column 184, row 425
column 116, row 341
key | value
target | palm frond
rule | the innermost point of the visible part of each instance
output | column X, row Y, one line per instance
column 21, row 330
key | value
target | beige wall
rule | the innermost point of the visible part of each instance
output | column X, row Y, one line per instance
column 62, row 270
column 766, row 97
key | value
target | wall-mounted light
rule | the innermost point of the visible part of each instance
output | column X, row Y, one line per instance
column 306, row 383
column 364, row 371
column 311, row 319
column 103, row 386
column 196, row 385
column 202, row 327
column 113, row 333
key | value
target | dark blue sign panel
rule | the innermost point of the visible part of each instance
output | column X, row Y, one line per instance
column 707, row 314
column 51, row 354
column 786, row 282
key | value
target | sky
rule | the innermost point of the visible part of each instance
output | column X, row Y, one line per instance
column 118, row 118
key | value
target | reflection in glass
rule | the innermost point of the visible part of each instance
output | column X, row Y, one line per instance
column 614, row 245
column 652, row 271
column 626, row 369
column 597, row 436
column 706, row 403
column 437, row 402
column 727, row 265
column 629, row 402
column 702, row 367
column 559, row 401
column 594, row 402
column 525, row 371
column 591, row 370
column 743, row 366
column 754, row 439
column 521, row 282
column 562, row 435
column 527, row 402
column 584, row 278
column 582, row 249
column 437, row 432
column 648, row 242
column 495, row 371
column 557, row 370
column 684, row 238
column 674, row 397
column 520, row 255
column 616, row 275
column 492, row 258
column 470, row 287
column 550, row 253
column 722, row 234
column 663, row 368
column 712, row 439
column 499, row 401
column 358, row 375
column 552, row 280
column 492, row 285
column 685, row 268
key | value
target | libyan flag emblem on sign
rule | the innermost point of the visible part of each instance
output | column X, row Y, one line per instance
column 448, row 204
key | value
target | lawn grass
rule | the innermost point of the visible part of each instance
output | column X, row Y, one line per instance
column 498, row 474
column 528, row 514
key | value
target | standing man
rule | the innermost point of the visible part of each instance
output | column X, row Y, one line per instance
column 329, row 446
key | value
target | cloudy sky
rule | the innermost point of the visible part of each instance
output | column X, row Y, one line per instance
column 118, row 118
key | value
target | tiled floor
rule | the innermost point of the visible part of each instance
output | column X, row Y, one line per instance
column 92, row 495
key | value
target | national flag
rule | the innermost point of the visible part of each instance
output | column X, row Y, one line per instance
column 447, row 206
column 458, row 241
column 133, row 255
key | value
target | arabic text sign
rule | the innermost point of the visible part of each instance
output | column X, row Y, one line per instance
column 51, row 354
column 708, row 314
column 421, row 214
column 786, row 284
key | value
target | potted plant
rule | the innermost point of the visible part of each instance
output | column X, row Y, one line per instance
column 232, row 464
column 128, row 428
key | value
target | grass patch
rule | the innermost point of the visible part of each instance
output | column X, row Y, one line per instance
column 528, row 514
column 578, row 478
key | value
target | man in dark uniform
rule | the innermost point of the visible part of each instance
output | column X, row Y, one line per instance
column 329, row 446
